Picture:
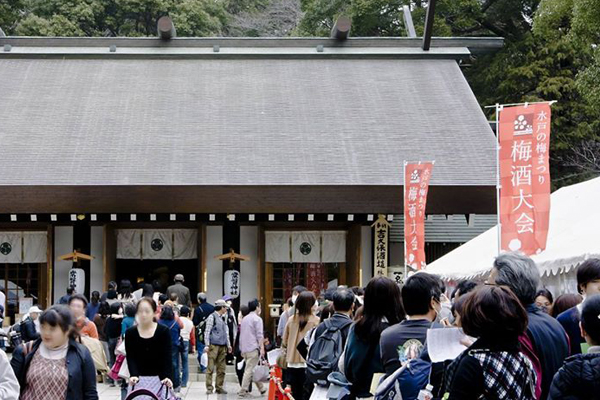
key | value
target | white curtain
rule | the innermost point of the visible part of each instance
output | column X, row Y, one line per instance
column 277, row 247
column 306, row 246
column 129, row 243
column 157, row 244
column 35, row 247
column 334, row 246
column 185, row 244
column 10, row 247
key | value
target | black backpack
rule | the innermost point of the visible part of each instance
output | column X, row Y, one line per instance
column 325, row 353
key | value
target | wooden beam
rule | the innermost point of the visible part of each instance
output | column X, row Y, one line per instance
column 166, row 28
column 341, row 28
column 428, row 25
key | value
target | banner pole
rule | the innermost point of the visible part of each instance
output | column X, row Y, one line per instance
column 520, row 104
column 404, row 216
column 498, row 107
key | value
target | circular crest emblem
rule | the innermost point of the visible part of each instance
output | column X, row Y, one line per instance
column 305, row 248
column 157, row 244
column 5, row 248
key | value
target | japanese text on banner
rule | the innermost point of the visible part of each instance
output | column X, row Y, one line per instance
column 416, row 186
column 524, row 177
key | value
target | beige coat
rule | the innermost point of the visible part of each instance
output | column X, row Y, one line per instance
column 292, row 336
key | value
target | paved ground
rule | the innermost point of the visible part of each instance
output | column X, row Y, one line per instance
column 196, row 390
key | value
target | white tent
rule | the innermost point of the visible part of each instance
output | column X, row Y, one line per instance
column 572, row 238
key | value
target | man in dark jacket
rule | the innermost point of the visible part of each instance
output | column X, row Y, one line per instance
column 201, row 313
column 547, row 336
column 579, row 378
column 28, row 330
column 588, row 284
column 183, row 293
column 343, row 302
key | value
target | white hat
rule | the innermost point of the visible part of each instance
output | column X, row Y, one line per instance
column 35, row 309
column 221, row 303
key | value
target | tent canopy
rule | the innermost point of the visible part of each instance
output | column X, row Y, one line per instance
column 572, row 238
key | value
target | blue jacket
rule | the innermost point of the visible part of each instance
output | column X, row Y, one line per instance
column 174, row 330
column 82, row 373
column 550, row 344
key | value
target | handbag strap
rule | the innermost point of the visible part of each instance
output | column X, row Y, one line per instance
column 147, row 392
column 141, row 392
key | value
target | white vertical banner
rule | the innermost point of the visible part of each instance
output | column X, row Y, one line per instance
column 232, row 283
column 157, row 244
column 277, row 247
column 77, row 280
column 334, row 247
column 185, row 244
column 10, row 247
column 129, row 243
column 306, row 246
column 35, row 247
column 381, row 246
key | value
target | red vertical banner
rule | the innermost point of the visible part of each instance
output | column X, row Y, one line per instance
column 314, row 277
column 416, row 186
column 524, row 135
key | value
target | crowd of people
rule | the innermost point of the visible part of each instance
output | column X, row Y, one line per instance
column 520, row 342
column 346, row 343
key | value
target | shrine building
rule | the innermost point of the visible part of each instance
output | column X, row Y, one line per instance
column 155, row 156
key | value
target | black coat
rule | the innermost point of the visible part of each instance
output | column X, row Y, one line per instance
column 28, row 332
column 578, row 379
column 82, row 373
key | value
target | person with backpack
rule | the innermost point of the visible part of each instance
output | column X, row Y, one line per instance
column 56, row 366
column 217, row 342
column 329, row 340
column 251, row 346
column 201, row 313
column 29, row 330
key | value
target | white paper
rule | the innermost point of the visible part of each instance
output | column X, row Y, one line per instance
column 272, row 356
column 444, row 343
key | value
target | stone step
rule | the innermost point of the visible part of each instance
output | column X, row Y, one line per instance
column 195, row 377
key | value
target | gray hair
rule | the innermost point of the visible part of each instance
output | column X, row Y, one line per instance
column 520, row 274
column 202, row 297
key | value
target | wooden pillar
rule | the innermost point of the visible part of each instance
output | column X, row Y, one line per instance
column 353, row 256
column 110, row 254
column 202, row 284
column 47, row 276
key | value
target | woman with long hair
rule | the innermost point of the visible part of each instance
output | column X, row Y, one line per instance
column 148, row 346
column 362, row 357
column 125, row 294
column 298, row 325
column 55, row 366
